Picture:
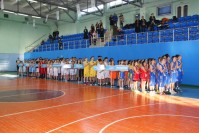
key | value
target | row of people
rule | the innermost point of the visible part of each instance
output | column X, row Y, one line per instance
column 164, row 76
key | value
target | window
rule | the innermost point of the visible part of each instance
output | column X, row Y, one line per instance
column 185, row 11
column 164, row 10
column 92, row 9
column 179, row 12
column 182, row 11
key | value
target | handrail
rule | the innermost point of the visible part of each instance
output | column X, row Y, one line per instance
column 30, row 46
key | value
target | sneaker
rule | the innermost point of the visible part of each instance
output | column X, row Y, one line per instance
column 121, row 88
column 136, row 91
column 152, row 93
column 173, row 92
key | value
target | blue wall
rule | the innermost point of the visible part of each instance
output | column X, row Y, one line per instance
column 8, row 61
column 188, row 49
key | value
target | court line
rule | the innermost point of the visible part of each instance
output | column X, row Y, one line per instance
column 140, row 116
column 26, row 94
column 4, row 87
column 39, row 100
column 100, row 115
column 23, row 112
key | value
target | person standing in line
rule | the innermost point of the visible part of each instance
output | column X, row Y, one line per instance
column 92, row 63
column 17, row 63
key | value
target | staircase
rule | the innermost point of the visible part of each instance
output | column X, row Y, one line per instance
column 107, row 38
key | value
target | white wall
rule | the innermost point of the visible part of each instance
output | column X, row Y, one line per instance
column 129, row 11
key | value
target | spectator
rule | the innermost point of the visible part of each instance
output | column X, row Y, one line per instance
column 100, row 24
column 102, row 33
column 121, row 18
column 115, row 19
column 17, row 63
column 50, row 37
column 85, row 33
column 152, row 20
column 97, row 26
column 94, row 38
column 57, row 34
column 115, row 32
column 92, row 28
column 163, row 24
column 111, row 21
column 143, row 24
column 137, row 25
column 42, row 42
column 60, row 44
column 90, row 35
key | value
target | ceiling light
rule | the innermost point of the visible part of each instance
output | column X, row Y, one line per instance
column 62, row 8
column 9, row 11
column 22, row 14
column 33, row 1
column 36, row 17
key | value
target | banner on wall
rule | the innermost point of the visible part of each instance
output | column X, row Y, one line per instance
column 92, row 3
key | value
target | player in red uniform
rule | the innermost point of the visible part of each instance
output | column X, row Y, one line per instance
column 136, row 76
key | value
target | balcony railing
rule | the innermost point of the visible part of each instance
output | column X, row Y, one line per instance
column 161, row 36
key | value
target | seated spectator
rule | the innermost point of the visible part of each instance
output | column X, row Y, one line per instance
column 143, row 24
column 163, row 24
column 42, row 42
column 137, row 25
column 121, row 18
column 85, row 33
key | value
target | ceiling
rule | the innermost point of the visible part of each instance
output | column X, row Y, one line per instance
column 41, row 8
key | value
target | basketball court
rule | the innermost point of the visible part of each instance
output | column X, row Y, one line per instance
column 39, row 105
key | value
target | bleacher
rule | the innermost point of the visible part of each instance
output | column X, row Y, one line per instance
column 74, row 41
column 184, row 29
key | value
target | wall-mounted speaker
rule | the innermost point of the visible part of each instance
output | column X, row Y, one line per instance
column 26, row 19
column 6, row 16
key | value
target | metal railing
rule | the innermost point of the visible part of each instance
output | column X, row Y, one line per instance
column 169, row 35
column 36, row 43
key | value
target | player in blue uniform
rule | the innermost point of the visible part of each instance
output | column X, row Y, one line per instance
column 161, row 74
column 152, row 76
column 167, row 75
column 179, row 72
column 173, row 74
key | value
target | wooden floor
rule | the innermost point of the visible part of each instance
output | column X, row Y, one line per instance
column 90, row 109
